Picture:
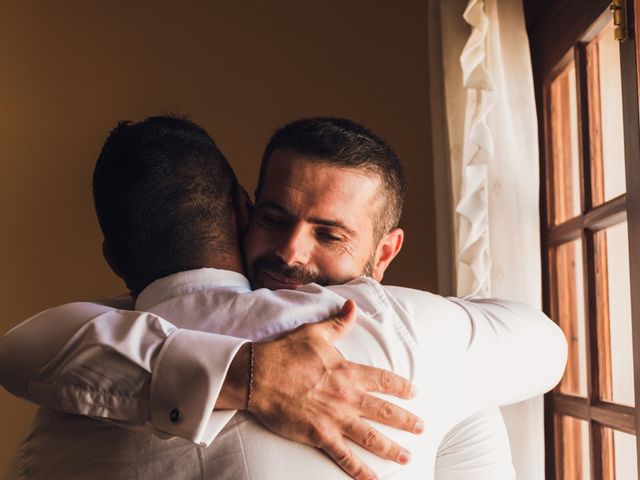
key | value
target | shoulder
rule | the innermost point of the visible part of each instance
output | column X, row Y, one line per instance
column 371, row 295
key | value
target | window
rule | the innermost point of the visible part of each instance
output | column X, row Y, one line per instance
column 587, row 93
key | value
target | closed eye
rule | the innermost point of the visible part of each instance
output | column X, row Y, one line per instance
column 272, row 221
column 328, row 236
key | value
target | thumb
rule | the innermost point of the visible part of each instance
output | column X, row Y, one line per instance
column 339, row 325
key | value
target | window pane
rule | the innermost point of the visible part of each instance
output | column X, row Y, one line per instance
column 565, row 169
column 606, row 129
column 625, row 456
column 572, row 448
column 614, row 315
column 570, row 315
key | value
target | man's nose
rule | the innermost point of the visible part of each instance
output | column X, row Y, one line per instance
column 295, row 248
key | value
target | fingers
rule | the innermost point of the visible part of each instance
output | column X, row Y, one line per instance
column 374, row 441
column 342, row 455
column 339, row 325
column 387, row 413
column 384, row 381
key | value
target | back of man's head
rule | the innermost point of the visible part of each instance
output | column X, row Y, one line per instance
column 162, row 195
column 345, row 144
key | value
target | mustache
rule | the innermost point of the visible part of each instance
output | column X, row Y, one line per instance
column 294, row 273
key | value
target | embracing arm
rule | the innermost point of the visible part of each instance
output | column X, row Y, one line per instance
column 139, row 370
column 514, row 352
column 91, row 359
column 482, row 352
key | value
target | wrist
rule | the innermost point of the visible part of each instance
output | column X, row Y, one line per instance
column 234, row 393
column 251, row 369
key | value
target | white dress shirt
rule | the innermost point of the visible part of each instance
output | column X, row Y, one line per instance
column 139, row 369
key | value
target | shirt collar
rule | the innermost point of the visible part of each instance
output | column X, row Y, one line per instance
column 191, row 281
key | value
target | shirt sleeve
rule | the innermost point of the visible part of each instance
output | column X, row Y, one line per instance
column 514, row 350
column 477, row 447
column 128, row 367
column 482, row 352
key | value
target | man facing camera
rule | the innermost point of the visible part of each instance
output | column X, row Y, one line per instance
column 169, row 210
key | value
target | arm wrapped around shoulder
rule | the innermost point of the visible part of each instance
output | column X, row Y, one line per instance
column 515, row 349
column 84, row 358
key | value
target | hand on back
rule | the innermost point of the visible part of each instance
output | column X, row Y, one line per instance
column 304, row 390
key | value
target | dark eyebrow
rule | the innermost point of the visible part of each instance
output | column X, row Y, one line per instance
column 331, row 223
column 315, row 220
column 273, row 206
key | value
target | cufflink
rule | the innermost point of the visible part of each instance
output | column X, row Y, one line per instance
column 175, row 416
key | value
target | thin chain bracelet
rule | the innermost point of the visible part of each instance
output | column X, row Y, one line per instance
column 251, row 358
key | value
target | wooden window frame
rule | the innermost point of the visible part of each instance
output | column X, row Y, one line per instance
column 554, row 29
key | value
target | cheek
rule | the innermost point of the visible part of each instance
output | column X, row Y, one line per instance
column 355, row 261
column 254, row 243
column 260, row 241
column 339, row 266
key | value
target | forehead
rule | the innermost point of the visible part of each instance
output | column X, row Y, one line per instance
column 295, row 180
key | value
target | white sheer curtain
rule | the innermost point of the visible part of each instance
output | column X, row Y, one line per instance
column 485, row 109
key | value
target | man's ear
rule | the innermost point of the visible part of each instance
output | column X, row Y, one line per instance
column 386, row 251
column 241, row 207
column 111, row 259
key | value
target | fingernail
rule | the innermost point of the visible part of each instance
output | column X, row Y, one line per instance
column 419, row 428
column 414, row 391
column 346, row 307
column 404, row 457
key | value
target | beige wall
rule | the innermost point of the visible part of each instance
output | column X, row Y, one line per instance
column 70, row 70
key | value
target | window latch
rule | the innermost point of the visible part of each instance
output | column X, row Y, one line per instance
column 619, row 9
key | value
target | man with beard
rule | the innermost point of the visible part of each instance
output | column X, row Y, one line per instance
column 304, row 229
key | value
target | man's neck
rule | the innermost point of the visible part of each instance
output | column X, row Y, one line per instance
column 231, row 260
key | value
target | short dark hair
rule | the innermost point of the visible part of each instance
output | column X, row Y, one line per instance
column 346, row 144
column 161, row 191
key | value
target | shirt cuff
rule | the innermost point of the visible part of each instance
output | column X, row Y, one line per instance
column 186, row 381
